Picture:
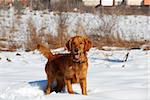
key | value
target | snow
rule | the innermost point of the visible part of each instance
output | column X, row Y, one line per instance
column 23, row 77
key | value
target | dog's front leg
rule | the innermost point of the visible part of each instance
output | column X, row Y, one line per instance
column 69, row 86
column 83, row 85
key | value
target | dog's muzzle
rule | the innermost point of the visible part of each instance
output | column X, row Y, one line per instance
column 76, row 58
column 76, row 54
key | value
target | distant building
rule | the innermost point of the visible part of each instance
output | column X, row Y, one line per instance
column 1, row 1
column 134, row 2
column 102, row 2
column 6, row 1
column 147, row 2
column 91, row 2
column 115, row 2
column 12, row 1
column 107, row 2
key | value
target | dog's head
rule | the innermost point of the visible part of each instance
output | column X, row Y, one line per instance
column 78, row 45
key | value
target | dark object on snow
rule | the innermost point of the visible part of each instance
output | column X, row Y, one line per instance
column 127, row 55
column 8, row 60
column 18, row 54
column 135, row 48
column 126, row 58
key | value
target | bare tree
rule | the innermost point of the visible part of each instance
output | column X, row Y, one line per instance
column 62, row 28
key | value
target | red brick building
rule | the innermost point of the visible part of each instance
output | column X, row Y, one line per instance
column 11, row 1
column 147, row 2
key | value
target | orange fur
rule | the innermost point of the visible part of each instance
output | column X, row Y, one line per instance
column 45, row 51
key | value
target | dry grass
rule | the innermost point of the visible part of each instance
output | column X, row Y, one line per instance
column 62, row 29
column 101, row 41
column 37, row 37
column 8, row 45
column 55, row 41
column 124, row 10
column 13, row 29
column 50, row 41
column 13, row 47
column 32, row 38
column 7, row 40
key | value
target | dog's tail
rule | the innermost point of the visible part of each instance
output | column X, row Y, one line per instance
column 45, row 51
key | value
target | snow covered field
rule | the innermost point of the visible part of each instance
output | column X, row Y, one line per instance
column 22, row 77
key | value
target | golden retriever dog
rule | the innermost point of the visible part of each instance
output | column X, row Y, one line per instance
column 70, row 68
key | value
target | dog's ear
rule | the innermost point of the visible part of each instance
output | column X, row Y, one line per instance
column 68, row 44
column 88, row 44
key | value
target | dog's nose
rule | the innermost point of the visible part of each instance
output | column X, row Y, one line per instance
column 76, row 50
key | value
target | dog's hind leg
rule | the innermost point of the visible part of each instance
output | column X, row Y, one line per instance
column 60, row 85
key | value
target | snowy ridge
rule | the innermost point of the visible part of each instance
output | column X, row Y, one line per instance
column 23, row 77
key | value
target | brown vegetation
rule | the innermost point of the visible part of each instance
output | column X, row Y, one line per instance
column 100, row 41
column 36, row 37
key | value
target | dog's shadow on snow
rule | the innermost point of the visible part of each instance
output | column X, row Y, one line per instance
column 42, row 85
